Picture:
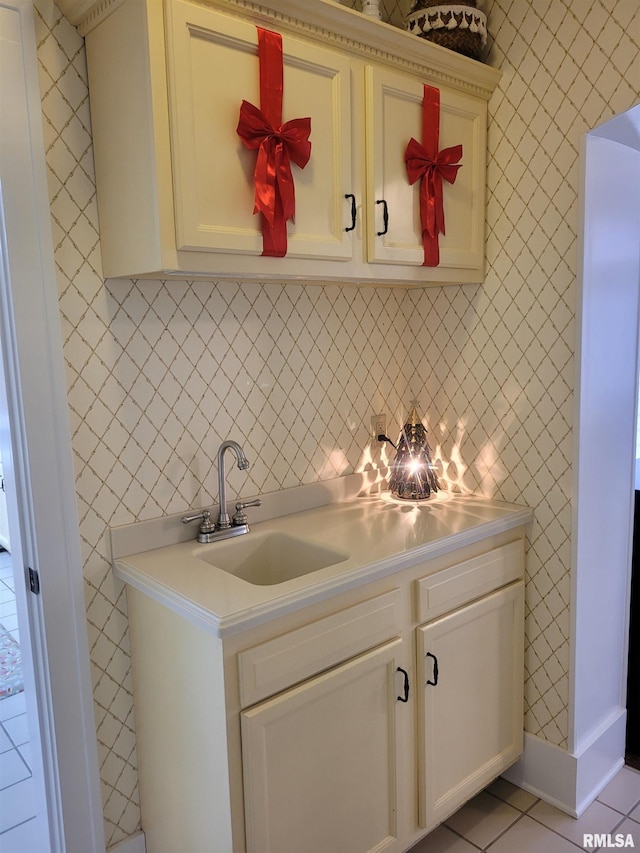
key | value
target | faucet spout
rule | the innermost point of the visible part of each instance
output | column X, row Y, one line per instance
column 224, row 521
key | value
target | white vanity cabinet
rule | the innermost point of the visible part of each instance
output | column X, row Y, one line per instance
column 175, row 184
column 319, row 730
column 320, row 760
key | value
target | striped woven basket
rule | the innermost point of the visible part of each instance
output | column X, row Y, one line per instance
column 459, row 26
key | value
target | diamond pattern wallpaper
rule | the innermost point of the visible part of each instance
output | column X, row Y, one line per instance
column 159, row 373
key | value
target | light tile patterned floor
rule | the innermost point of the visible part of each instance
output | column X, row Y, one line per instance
column 506, row 819
column 502, row 819
column 17, row 818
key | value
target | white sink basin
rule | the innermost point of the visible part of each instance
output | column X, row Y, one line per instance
column 270, row 558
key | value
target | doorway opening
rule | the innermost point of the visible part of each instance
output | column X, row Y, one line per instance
column 19, row 818
column 35, row 446
column 632, row 746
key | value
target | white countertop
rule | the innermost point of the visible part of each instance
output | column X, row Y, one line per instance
column 378, row 535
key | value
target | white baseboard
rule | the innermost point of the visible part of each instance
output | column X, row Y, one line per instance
column 132, row 844
column 601, row 759
column 567, row 781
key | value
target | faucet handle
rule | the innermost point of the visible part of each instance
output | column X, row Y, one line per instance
column 240, row 516
column 207, row 526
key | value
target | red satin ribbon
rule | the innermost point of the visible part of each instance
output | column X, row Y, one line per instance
column 278, row 144
column 426, row 162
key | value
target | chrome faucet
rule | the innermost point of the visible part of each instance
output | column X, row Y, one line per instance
column 224, row 527
column 223, row 522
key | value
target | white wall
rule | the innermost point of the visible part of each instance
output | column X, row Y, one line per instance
column 606, row 429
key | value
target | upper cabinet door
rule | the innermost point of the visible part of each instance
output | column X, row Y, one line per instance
column 212, row 67
column 394, row 115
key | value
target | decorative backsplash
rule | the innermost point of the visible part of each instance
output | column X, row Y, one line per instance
column 160, row 373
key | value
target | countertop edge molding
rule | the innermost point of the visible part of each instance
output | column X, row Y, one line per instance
column 343, row 28
column 234, row 623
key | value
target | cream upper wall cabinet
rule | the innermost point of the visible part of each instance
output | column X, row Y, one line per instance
column 394, row 115
column 175, row 184
column 212, row 67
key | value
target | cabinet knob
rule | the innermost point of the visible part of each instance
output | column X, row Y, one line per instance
column 433, row 681
column 385, row 217
column 404, row 698
column 353, row 211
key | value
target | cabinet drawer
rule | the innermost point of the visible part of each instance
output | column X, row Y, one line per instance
column 459, row 584
column 279, row 663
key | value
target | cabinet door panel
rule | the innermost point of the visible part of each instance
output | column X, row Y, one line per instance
column 213, row 66
column 394, row 115
column 471, row 720
column 320, row 761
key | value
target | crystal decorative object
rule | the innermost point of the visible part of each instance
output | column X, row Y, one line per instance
column 413, row 476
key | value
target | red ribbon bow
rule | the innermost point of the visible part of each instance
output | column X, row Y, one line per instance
column 426, row 162
column 278, row 144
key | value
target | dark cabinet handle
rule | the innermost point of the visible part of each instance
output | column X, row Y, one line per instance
column 353, row 211
column 406, row 685
column 385, row 217
column 435, row 670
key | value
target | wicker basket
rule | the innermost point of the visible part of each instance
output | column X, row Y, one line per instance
column 458, row 26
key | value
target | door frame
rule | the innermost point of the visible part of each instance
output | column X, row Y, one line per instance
column 608, row 311
column 606, row 358
column 35, row 442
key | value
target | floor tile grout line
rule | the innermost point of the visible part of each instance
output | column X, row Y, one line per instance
column 22, row 823
column 526, row 813
column 17, row 782
column 579, row 846
column 503, row 833
column 517, row 808
column 613, row 808
column 16, row 746
column 544, row 827
column 455, row 832
column 487, row 849
column 22, row 758
column 19, row 714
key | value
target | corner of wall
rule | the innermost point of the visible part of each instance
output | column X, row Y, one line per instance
column 568, row 781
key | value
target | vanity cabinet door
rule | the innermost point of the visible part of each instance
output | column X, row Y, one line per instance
column 470, row 688
column 394, row 115
column 320, row 760
column 212, row 67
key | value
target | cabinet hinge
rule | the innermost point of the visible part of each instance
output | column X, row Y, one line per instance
column 34, row 581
